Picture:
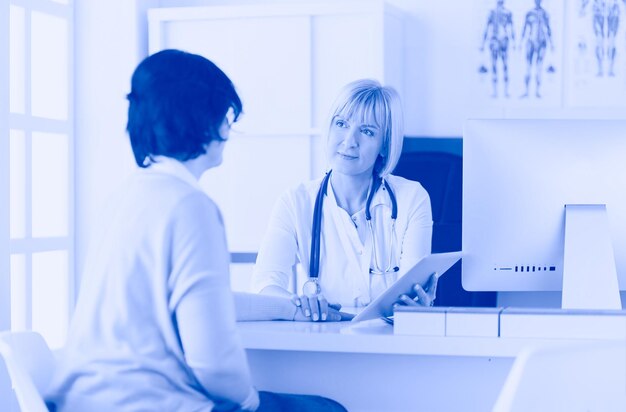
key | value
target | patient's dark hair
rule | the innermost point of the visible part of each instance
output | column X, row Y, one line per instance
column 178, row 102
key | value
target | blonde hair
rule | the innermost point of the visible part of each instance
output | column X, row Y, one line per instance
column 368, row 97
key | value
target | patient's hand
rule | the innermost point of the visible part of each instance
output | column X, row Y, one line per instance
column 423, row 296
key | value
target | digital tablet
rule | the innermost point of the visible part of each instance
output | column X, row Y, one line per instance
column 382, row 306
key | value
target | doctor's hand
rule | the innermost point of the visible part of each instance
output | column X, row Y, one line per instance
column 423, row 296
column 317, row 309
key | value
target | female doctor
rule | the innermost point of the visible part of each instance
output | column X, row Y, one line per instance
column 357, row 229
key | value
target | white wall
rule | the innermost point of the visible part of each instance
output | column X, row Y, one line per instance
column 437, row 48
column 111, row 40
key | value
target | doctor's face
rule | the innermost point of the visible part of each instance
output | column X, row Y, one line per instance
column 354, row 143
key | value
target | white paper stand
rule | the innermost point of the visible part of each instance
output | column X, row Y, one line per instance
column 589, row 273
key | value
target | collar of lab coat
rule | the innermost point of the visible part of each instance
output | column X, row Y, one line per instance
column 381, row 197
column 173, row 167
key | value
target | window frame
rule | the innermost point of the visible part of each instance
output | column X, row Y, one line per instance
column 29, row 124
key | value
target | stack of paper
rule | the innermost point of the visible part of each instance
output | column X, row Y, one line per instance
column 419, row 321
column 563, row 323
column 484, row 322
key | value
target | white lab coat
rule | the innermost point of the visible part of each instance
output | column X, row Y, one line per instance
column 346, row 251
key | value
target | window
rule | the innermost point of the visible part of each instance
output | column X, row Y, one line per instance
column 37, row 167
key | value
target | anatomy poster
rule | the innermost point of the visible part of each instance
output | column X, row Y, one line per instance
column 596, row 53
column 519, row 53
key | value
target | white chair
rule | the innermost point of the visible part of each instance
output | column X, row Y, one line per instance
column 588, row 376
column 30, row 364
column 6, row 390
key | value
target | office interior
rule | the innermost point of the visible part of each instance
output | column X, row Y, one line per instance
column 433, row 53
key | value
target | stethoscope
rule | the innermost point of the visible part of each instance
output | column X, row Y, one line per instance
column 312, row 287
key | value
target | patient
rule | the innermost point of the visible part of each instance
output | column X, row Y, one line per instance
column 154, row 326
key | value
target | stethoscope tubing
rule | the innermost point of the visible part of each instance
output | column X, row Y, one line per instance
column 314, row 264
column 316, row 228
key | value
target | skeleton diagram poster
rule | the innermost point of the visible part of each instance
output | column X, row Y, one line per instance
column 519, row 49
column 596, row 53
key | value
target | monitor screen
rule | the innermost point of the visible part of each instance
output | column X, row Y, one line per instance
column 518, row 175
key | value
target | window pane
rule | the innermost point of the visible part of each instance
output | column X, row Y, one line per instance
column 61, row 1
column 50, row 296
column 50, row 190
column 17, row 183
column 49, row 66
column 18, row 292
column 17, row 60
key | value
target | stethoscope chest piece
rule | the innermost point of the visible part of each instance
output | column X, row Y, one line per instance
column 311, row 288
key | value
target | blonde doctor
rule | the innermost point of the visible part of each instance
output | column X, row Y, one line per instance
column 353, row 232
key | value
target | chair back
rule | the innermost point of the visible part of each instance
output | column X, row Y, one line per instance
column 441, row 174
column 6, row 389
column 30, row 363
column 588, row 376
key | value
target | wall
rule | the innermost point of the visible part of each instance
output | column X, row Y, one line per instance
column 111, row 40
column 436, row 46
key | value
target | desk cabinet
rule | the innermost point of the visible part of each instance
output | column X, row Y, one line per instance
column 287, row 62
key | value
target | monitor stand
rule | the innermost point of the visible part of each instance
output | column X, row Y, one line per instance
column 589, row 273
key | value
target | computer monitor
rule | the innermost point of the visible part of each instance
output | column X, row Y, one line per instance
column 518, row 177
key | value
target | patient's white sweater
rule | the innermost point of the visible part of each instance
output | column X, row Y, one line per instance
column 154, row 326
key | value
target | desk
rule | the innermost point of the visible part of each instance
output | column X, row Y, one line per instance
column 368, row 368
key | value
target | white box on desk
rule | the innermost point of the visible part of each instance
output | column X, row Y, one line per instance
column 563, row 323
column 473, row 322
column 419, row 321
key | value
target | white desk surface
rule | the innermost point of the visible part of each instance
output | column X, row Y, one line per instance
column 376, row 337
column 347, row 362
